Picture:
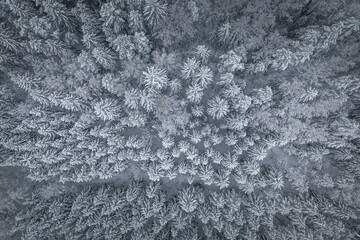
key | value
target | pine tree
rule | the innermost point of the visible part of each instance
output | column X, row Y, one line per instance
column 107, row 109
column 154, row 12
column 155, row 78
column 190, row 67
column 195, row 93
column 203, row 76
column 187, row 199
column 218, row 108
column 104, row 57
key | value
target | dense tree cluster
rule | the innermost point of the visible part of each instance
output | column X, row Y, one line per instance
column 221, row 119
column 141, row 211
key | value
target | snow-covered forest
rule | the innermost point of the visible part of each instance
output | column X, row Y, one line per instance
column 179, row 119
